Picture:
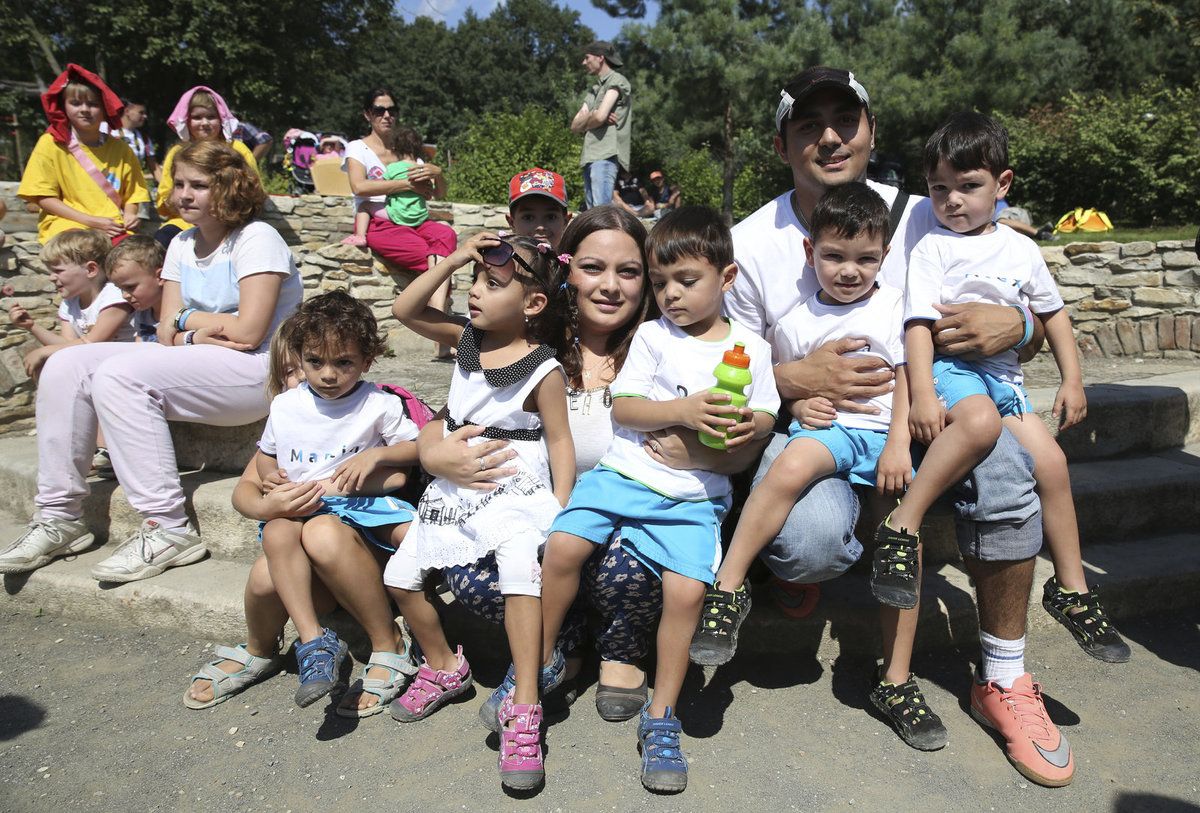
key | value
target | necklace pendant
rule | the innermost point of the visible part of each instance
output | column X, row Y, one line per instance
column 607, row 397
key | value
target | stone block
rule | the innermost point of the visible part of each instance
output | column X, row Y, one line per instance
column 1195, row 333
column 1079, row 275
column 1136, row 264
column 1179, row 354
column 1106, row 337
column 1160, row 297
column 1183, row 333
column 1169, row 245
column 7, row 384
column 337, row 275
column 357, row 268
column 1180, row 259
column 1189, row 278
column 340, row 253
column 1054, row 256
column 326, row 285
column 1128, row 336
column 375, row 293
column 315, row 258
column 280, row 203
column 1140, row 248
column 1074, row 249
column 1084, row 318
column 1148, row 328
column 1086, row 258
column 495, row 221
column 30, row 284
column 1135, row 279
column 1074, row 294
column 1109, row 305
column 470, row 220
column 1088, row 348
column 1166, row 332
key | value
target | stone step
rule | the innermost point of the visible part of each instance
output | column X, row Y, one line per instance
column 1126, row 417
column 1115, row 499
column 1157, row 574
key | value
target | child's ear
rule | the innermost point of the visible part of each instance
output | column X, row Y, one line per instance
column 535, row 303
column 93, row 269
column 1003, row 183
column 728, row 275
column 508, row 218
column 158, row 275
column 809, row 252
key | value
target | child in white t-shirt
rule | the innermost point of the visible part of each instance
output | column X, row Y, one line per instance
column 669, row 519
column 335, row 429
column 959, row 406
column 91, row 310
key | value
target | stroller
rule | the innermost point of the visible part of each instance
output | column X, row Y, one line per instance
column 299, row 149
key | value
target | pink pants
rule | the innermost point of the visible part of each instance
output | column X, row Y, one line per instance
column 133, row 389
column 410, row 247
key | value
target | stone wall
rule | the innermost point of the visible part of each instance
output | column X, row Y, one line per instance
column 1131, row 299
column 1125, row 299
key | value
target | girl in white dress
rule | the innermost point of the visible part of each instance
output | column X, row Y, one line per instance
column 507, row 379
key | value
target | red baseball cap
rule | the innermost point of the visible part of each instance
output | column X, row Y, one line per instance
column 537, row 181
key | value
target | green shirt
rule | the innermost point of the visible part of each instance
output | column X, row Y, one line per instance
column 609, row 140
column 405, row 208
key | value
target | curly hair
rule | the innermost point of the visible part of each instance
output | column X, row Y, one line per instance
column 600, row 218
column 333, row 321
column 405, row 141
column 236, row 193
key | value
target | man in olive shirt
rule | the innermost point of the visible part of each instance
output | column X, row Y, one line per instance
column 604, row 120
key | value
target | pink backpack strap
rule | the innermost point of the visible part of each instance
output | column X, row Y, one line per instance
column 419, row 411
column 89, row 166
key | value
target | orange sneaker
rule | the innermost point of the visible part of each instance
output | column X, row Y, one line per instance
column 1035, row 746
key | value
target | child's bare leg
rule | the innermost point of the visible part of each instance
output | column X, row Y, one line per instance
column 1058, row 506
column 347, row 566
column 561, row 566
column 682, row 600
column 265, row 617
column 426, row 626
column 523, row 625
column 802, row 462
column 100, row 444
column 972, row 428
column 292, row 574
column 899, row 630
column 362, row 219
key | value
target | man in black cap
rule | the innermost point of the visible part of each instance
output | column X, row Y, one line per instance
column 604, row 120
column 825, row 131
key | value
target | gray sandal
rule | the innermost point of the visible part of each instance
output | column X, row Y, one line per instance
column 225, row 684
column 400, row 671
column 616, row 704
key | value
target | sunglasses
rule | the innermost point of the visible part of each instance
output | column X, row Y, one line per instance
column 379, row 110
column 498, row 257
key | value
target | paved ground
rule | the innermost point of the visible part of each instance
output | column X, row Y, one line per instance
column 90, row 719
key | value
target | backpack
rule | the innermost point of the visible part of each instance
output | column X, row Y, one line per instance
column 416, row 409
column 1081, row 219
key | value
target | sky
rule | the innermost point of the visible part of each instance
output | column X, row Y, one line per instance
column 451, row 11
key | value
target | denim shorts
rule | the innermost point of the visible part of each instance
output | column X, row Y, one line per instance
column 662, row 533
column 855, row 451
column 955, row 379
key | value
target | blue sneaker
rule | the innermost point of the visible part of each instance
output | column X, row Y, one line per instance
column 664, row 767
column 549, row 680
column 319, row 661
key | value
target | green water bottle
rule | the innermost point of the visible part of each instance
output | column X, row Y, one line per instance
column 733, row 376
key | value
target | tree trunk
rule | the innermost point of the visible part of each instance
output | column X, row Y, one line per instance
column 727, row 167
column 44, row 46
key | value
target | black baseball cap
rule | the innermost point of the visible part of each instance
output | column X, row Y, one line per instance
column 810, row 81
column 606, row 50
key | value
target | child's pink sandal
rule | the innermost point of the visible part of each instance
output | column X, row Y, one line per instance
column 430, row 690
column 521, row 765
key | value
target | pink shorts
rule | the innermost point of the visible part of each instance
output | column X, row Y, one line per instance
column 410, row 247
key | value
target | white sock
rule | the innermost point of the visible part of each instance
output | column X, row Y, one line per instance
column 1003, row 661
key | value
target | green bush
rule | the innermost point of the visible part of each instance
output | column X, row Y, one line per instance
column 1137, row 158
column 276, row 181
column 499, row 145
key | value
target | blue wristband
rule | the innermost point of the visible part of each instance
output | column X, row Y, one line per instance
column 181, row 321
column 1027, row 319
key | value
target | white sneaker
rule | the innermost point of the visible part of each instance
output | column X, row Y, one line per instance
column 149, row 551
column 44, row 541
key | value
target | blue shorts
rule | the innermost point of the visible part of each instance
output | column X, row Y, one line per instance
column 955, row 379
column 663, row 533
column 365, row 514
column 855, row 451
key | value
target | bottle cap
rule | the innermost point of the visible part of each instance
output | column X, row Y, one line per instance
column 737, row 356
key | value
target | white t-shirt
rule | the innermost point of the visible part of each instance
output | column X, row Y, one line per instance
column 82, row 319
column 211, row 284
column 359, row 151
column 1001, row 267
column 878, row 320
column 311, row 436
column 591, row 426
column 773, row 277
column 665, row 363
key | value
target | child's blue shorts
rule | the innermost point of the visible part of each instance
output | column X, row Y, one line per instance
column 855, row 451
column 955, row 379
column 663, row 533
column 365, row 514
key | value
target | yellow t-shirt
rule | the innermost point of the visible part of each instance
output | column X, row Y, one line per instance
column 168, row 183
column 52, row 172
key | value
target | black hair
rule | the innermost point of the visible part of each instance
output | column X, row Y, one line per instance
column 848, row 210
column 549, row 278
column 335, row 317
column 368, row 98
column 405, row 141
column 596, row 219
column 691, row 231
column 968, row 141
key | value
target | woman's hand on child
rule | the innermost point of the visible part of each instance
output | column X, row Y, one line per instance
column 926, row 419
column 1070, row 404
column 292, row 500
column 814, row 413
column 476, row 466
column 893, row 472
column 704, row 411
column 215, row 335
column 20, row 317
